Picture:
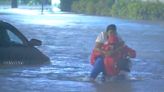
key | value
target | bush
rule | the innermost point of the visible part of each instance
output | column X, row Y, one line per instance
column 131, row 9
column 119, row 8
column 134, row 10
column 103, row 7
column 90, row 7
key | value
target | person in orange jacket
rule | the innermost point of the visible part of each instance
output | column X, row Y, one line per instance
column 109, row 63
column 98, row 53
column 117, row 59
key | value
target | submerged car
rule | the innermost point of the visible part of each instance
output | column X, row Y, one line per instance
column 15, row 49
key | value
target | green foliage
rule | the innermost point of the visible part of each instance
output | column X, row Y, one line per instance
column 79, row 6
column 75, row 7
column 90, row 9
column 103, row 7
column 4, row 2
column 119, row 8
column 132, row 9
column 66, row 5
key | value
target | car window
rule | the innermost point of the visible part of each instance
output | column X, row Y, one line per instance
column 4, row 38
column 14, row 38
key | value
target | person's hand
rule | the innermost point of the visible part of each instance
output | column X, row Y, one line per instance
column 110, row 53
column 105, row 53
column 121, row 43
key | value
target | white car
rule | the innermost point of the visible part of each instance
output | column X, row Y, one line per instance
column 15, row 49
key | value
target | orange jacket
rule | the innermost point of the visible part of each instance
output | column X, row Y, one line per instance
column 110, row 62
column 111, row 40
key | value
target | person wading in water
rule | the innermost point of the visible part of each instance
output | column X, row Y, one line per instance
column 105, row 54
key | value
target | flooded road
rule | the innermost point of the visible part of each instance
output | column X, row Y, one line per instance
column 68, row 40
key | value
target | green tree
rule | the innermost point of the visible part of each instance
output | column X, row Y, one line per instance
column 132, row 9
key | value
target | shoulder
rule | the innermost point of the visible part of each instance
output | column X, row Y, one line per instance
column 101, row 37
column 102, row 34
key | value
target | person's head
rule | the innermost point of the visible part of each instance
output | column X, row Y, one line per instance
column 113, row 40
column 111, row 29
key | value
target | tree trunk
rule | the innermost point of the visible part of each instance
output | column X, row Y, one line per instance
column 14, row 4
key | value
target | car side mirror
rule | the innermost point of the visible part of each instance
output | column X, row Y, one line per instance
column 35, row 42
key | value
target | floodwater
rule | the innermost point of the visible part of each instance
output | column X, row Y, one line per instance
column 68, row 40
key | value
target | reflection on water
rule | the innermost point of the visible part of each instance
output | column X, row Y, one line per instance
column 68, row 40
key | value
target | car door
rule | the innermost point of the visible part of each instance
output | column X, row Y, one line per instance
column 17, row 50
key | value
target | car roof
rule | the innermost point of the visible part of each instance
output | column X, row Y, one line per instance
column 5, row 25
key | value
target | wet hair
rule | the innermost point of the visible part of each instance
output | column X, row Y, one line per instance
column 111, row 27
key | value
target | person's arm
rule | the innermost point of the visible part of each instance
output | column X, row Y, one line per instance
column 99, row 49
column 131, row 53
column 99, row 43
column 119, row 46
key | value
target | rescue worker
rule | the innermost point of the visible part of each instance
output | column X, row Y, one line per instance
column 118, row 59
column 98, row 54
column 110, row 57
